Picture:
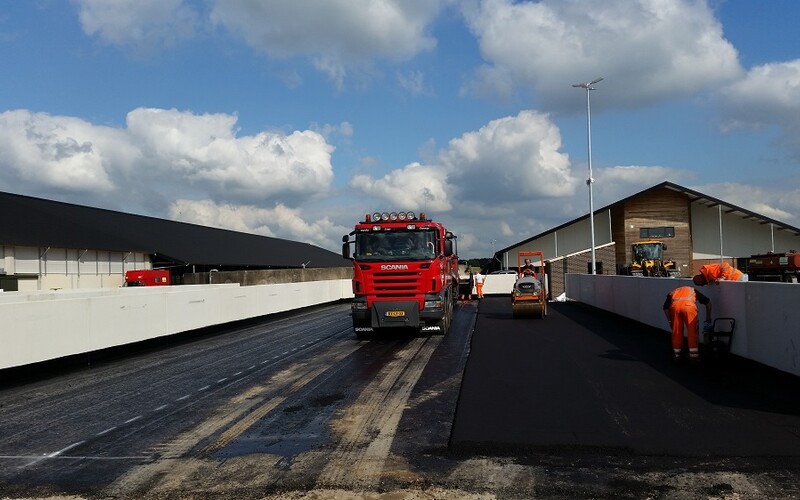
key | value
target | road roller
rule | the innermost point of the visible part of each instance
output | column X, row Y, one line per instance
column 529, row 296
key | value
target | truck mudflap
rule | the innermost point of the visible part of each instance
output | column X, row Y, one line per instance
column 395, row 314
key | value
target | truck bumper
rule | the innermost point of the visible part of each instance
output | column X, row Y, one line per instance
column 396, row 313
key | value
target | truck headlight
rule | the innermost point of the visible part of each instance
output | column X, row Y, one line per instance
column 433, row 304
column 358, row 306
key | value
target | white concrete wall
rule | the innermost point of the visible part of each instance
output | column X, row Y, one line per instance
column 499, row 284
column 43, row 325
column 767, row 314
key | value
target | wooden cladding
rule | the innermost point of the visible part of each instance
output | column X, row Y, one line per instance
column 656, row 208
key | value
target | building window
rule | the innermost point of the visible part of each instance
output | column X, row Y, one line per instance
column 657, row 232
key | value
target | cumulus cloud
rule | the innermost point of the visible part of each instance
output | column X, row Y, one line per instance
column 61, row 153
column 277, row 221
column 336, row 35
column 205, row 150
column 414, row 187
column 163, row 151
column 769, row 95
column 142, row 25
column 508, row 159
column 646, row 49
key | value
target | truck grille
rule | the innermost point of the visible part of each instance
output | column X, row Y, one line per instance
column 397, row 284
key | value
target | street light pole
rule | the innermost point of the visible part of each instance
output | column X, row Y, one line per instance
column 589, row 87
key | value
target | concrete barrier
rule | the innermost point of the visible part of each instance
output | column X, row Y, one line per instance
column 45, row 325
column 767, row 314
column 499, row 284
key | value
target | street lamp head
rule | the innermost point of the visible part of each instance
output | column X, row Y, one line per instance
column 588, row 85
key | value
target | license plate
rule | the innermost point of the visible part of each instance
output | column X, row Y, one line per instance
column 395, row 314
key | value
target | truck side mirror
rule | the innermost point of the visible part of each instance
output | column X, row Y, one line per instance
column 345, row 247
column 448, row 247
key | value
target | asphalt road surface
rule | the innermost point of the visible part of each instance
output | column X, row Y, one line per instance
column 578, row 405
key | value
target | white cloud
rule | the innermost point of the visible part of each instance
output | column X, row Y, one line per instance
column 336, row 35
column 279, row 221
column 204, row 149
column 142, row 25
column 769, row 95
column 646, row 49
column 162, row 152
column 413, row 187
column 508, row 158
column 61, row 153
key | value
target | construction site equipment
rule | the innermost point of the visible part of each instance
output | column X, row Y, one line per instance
column 783, row 267
column 647, row 259
column 405, row 273
column 529, row 296
column 147, row 277
column 717, row 340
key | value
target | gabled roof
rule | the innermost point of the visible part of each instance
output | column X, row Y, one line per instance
column 27, row 221
column 694, row 197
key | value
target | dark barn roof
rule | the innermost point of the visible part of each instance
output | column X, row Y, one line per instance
column 27, row 221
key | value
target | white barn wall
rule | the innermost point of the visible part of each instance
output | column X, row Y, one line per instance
column 741, row 237
column 62, row 268
column 568, row 240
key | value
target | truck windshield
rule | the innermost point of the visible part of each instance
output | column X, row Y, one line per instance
column 651, row 251
column 395, row 245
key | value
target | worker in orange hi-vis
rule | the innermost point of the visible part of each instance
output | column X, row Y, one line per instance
column 714, row 273
column 479, row 279
column 681, row 312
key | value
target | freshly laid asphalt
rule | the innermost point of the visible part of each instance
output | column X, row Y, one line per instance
column 582, row 379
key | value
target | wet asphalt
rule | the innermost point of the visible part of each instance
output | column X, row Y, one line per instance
column 583, row 381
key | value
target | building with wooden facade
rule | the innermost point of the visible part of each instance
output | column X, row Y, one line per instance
column 697, row 229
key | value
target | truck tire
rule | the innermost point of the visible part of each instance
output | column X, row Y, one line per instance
column 444, row 323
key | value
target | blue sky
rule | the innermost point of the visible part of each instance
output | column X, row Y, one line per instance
column 293, row 119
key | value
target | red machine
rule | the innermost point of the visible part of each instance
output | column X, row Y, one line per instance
column 774, row 267
column 147, row 277
column 405, row 273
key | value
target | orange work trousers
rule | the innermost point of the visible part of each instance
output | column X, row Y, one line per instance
column 684, row 315
column 479, row 289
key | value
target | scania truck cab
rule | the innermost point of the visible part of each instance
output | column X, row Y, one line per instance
column 405, row 273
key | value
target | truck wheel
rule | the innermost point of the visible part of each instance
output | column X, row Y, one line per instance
column 444, row 323
column 790, row 278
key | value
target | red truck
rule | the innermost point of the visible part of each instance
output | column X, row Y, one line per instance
column 405, row 273
column 774, row 267
column 147, row 277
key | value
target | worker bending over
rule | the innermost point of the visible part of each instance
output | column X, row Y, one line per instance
column 681, row 311
column 714, row 273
